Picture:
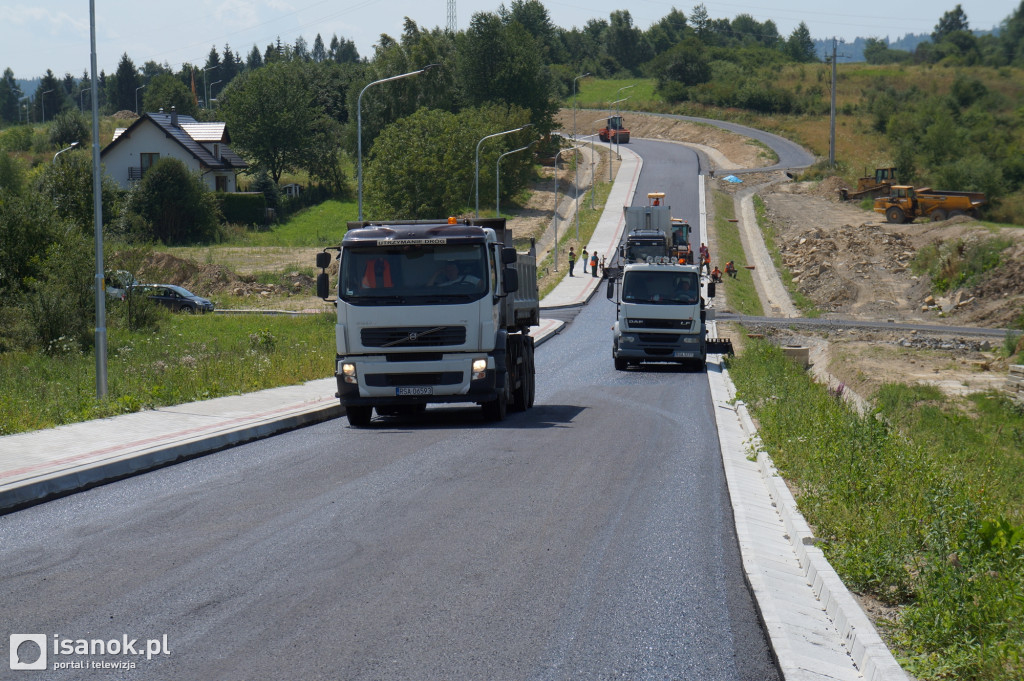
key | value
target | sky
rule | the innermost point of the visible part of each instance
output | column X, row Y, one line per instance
column 54, row 34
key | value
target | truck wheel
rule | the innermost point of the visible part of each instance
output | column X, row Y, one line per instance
column 938, row 215
column 620, row 364
column 895, row 215
column 956, row 213
column 518, row 362
column 359, row 416
column 496, row 409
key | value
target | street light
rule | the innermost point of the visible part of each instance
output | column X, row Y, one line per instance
column 609, row 147
column 42, row 101
column 625, row 87
column 497, row 175
column 593, row 175
column 206, row 91
column 556, row 201
column 24, row 107
column 137, row 99
column 211, row 90
column 71, row 146
column 574, row 139
column 100, row 343
column 359, row 125
column 477, row 174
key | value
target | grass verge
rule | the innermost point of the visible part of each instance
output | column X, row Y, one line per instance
column 740, row 292
column 191, row 358
column 912, row 508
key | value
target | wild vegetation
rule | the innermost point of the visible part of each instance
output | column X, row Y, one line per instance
column 915, row 504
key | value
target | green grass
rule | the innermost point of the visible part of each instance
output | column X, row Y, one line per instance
column 596, row 93
column 588, row 223
column 321, row 225
column 740, row 292
column 802, row 302
column 190, row 359
column 915, row 505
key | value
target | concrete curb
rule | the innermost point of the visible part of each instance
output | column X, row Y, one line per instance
column 869, row 652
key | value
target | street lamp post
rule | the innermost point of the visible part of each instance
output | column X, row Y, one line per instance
column 359, row 125
column 609, row 148
column 67, row 148
column 574, row 140
column 497, row 176
column 211, row 92
column 593, row 174
column 477, row 167
column 42, row 101
column 24, row 107
column 206, row 91
column 625, row 87
column 556, row 201
column 137, row 99
column 100, row 342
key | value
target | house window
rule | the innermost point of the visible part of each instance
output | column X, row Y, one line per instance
column 216, row 151
column 147, row 161
column 221, row 183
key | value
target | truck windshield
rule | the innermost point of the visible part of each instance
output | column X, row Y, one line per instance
column 418, row 274
column 660, row 287
column 640, row 250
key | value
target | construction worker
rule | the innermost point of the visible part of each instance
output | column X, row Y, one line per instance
column 378, row 274
column 730, row 269
column 716, row 275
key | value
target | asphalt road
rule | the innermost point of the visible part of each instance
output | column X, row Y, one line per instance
column 588, row 538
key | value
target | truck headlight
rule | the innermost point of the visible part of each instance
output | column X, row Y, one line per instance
column 626, row 338
column 348, row 371
column 479, row 369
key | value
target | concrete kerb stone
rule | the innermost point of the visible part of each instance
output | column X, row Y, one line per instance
column 866, row 647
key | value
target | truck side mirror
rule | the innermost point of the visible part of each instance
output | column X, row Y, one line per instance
column 711, row 290
column 510, row 282
column 508, row 255
column 323, row 284
column 610, row 290
column 323, row 260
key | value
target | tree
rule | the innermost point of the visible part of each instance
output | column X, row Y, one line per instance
column 126, row 83
column 166, row 91
column 175, row 203
column 800, row 46
column 254, row 60
column 319, row 52
column 272, row 117
column 48, row 97
column 683, row 66
column 952, row 21
column 422, row 166
column 67, row 186
column 501, row 63
column 625, row 43
column 10, row 96
column 69, row 126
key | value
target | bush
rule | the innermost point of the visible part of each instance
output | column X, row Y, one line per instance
column 61, row 302
column 69, row 126
column 248, row 208
column 175, row 204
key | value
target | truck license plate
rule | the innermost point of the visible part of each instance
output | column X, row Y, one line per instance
column 415, row 390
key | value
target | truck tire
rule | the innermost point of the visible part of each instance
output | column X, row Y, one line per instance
column 359, row 416
column 895, row 215
column 496, row 409
column 518, row 374
column 620, row 364
column 938, row 215
column 532, row 394
column 956, row 213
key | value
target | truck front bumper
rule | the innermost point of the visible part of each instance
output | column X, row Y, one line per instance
column 658, row 347
column 379, row 382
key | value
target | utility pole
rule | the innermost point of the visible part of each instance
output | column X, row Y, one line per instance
column 453, row 24
column 832, row 117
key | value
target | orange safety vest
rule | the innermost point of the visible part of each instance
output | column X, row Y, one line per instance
column 370, row 278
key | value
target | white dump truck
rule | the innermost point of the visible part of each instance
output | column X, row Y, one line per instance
column 661, row 314
column 432, row 311
column 652, row 232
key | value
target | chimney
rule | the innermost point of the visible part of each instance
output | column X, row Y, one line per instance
column 174, row 117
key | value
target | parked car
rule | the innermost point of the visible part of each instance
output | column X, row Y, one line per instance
column 174, row 297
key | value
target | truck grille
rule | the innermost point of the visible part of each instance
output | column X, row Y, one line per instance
column 658, row 338
column 413, row 336
column 635, row 323
column 432, row 378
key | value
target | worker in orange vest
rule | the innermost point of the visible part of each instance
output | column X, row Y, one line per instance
column 378, row 274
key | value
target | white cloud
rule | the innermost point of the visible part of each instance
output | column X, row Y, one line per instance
column 238, row 13
column 43, row 20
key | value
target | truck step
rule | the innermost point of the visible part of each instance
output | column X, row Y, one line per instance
column 719, row 346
